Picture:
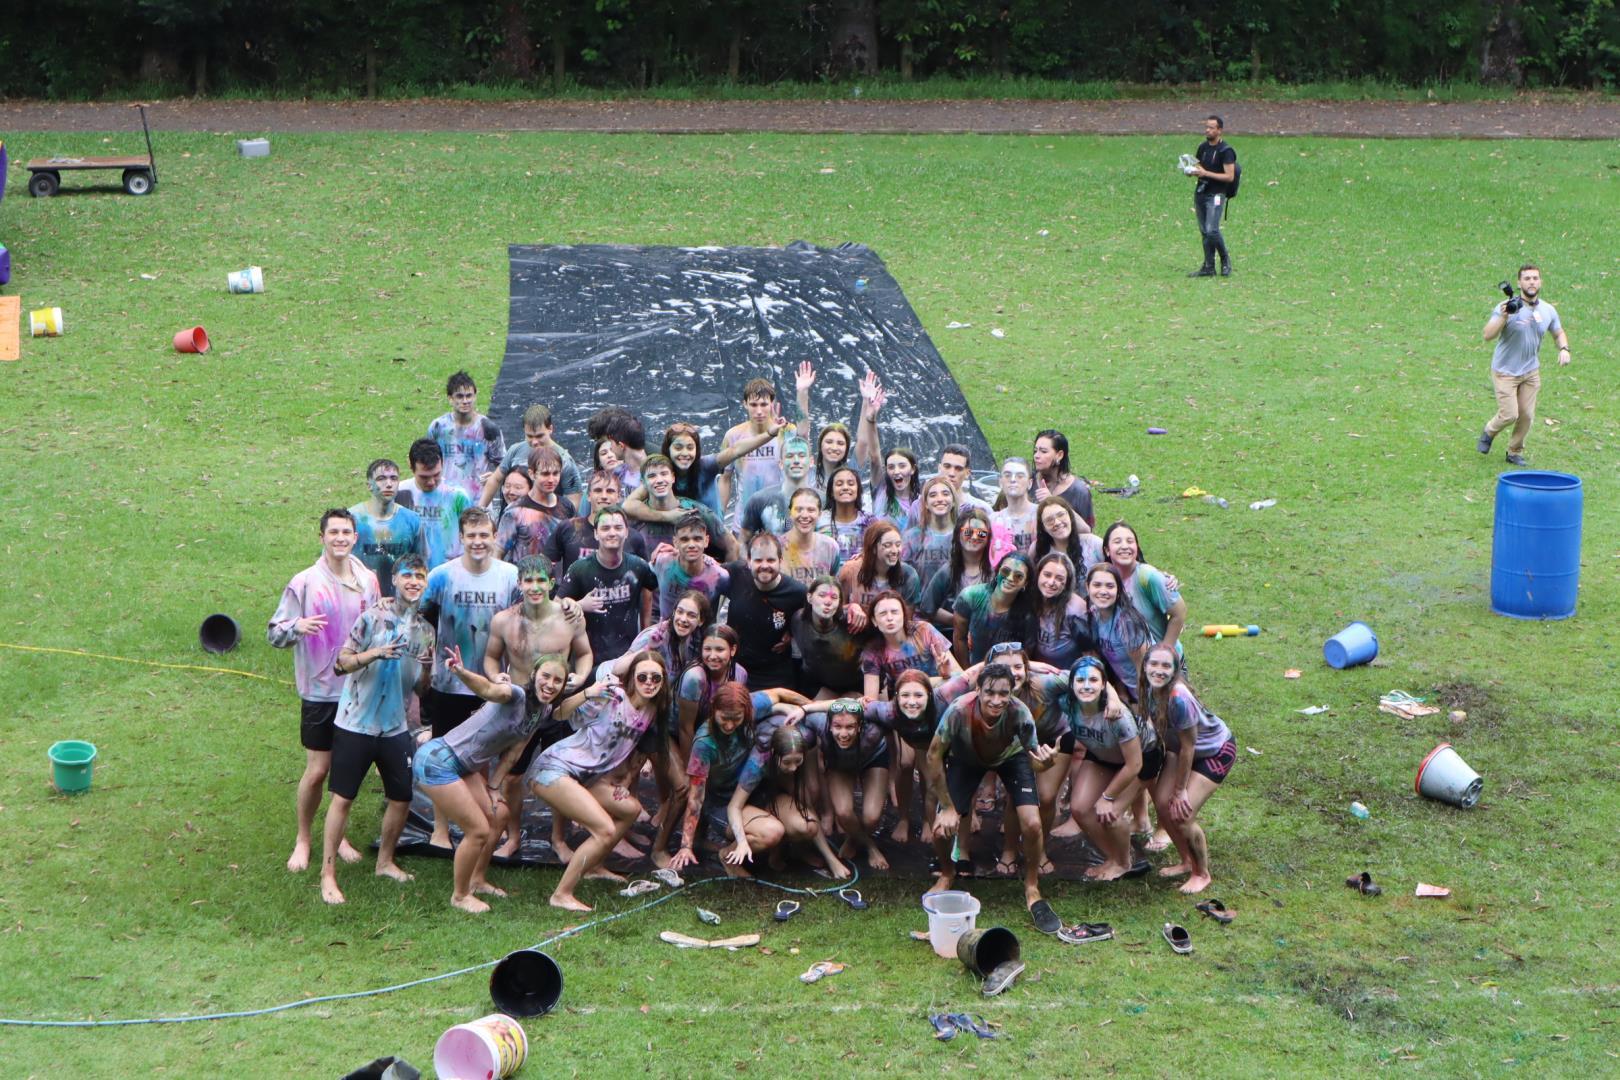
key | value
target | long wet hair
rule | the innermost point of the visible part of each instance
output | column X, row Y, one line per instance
column 682, row 654
column 733, row 697
column 831, row 505
column 790, row 740
column 1051, row 610
column 885, row 499
column 685, row 479
column 1123, row 607
column 1155, row 704
column 1020, row 623
column 849, row 451
column 1115, row 527
column 866, row 577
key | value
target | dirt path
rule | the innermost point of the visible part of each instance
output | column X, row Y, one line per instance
column 1563, row 118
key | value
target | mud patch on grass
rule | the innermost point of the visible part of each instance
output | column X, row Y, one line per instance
column 1485, row 714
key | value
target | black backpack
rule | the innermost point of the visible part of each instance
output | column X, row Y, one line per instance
column 1237, row 178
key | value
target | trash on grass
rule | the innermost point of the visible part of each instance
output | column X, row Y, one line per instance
column 1435, row 892
column 1262, row 504
column 1400, row 703
column 1359, row 812
column 1313, row 710
column 1292, row 673
column 687, row 941
column 954, row 325
column 998, row 332
column 706, row 916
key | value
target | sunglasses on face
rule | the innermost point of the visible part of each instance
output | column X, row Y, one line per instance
column 651, row 678
column 975, row 530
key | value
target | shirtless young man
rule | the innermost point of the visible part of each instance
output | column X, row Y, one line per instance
column 518, row 637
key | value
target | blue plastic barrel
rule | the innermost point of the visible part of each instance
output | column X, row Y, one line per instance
column 1536, row 549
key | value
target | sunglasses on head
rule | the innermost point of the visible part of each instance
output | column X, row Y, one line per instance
column 1005, row 647
column 851, row 708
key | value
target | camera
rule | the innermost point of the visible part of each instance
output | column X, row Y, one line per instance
column 1514, row 303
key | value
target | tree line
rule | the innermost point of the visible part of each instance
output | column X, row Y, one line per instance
column 86, row 48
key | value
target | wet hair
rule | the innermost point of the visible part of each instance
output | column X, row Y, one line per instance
column 757, row 387
column 1020, row 623
column 1082, row 662
column 530, row 565
column 660, row 700
column 929, row 720
column 541, row 457
column 1043, row 539
column 794, row 445
column 993, row 671
column 733, row 697
column 959, row 450
column 1060, row 445
column 1218, row 121
column 922, row 499
column 541, row 661
column 656, row 461
column 784, row 741
column 371, row 470
column 884, row 495
column 537, row 417
column 522, row 473
column 763, row 537
column 336, row 512
column 681, row 654
column 1051, row 610
column 705, row 611
column 1155, row 704
column 866, row 576
column 908, row 618
column 719, row 632
column 686, row 480
column 831, row 504
column 1123, row 607
column 1115, row 527
column 959, row 556
column 826, row 579
column 596, row 452
column 426, row 453
column 821, row 438
column 619, row 424
column 410, row 564
column 602, row 512
column 459, row 381
column 474, row 515
column 691, row 520
column 602, row 476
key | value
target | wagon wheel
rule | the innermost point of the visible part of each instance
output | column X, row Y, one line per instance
column 42, row 185
column 137, row 181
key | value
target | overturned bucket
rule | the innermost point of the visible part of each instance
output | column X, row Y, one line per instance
column 1446, row 777
column 219, row 634
column 488, row 1048
column 982, row 951
column 194, row 340
column 526, row 983
column 72, row 761
column 45, row 322
column 250, row 280
column 1355, row 644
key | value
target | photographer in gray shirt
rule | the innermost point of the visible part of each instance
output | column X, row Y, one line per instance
column 1517, row 325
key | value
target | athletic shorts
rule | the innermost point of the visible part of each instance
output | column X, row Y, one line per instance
column 1065, row 744
column 543, row 739
column 962, row 779
column 1152, row 762
column 316, row 719
column 353, row 755
column 446, row 711
column 881, row 758
column 436, row 765
column 1218, row 764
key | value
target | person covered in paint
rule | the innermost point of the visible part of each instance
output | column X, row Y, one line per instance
column 767, row 510
column 879, row 567
column 519, row 636
column 684, row 567
column 627, row 439
column 829, row 651
column 852, row 750
column 844, row 520
column 1061, row 617
column 696, row 474
column 927, row 547
column 318, row 609
column 1152, row 592
column 997, row 610
column 1015, row 514
column 833, row 445
column 527, row 522
column 575, row 538
column 716, row 666
column 901, row 642
column 537, row 432
column 776, row 783
column 615, row 589
column 912, row 714
column 1115, row 758
column 969, row 565
column 762, row 605
column 464, row 596
column 384, row 530
column 985, row 731
column 1121, row 634
column 438, row 504
column 386, row 660
column 668, row 510
column 806, row 553
column 471, row 443
column 758, row 469
column 465, row 772
column 574, row 777
column 1053, row 480
column 1199, row 753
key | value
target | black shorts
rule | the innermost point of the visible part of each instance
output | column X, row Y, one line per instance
column 315, row 723
column 1065, row 744
column 962, row 779
column 445, row 712
column 543, row 739
column 354, row 754
column 1218, row 764
column 1152, row 763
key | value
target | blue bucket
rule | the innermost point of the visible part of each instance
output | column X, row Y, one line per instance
column 1355, row 644
column 1536, row 547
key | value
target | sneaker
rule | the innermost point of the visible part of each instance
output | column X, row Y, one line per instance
column 1485, row 440
column 1203, row 271
column 1516, row 459
column 1226, row 269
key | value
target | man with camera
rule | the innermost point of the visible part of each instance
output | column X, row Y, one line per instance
column 1517, row 325
column 1215, row 167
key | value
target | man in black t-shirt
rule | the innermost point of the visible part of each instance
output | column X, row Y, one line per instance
column 615, row 590
column 1216, row 172
column 575, row 538
column 763, row 601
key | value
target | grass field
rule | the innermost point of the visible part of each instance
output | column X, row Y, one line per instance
column 1340, row 372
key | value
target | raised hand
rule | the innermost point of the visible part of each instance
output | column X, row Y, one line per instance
column 806, row 377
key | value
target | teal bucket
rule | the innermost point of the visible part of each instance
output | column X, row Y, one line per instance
column 71, row 762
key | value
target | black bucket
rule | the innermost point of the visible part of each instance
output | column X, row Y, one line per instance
column 982, row 951
column 526, row 983
column 219, row 634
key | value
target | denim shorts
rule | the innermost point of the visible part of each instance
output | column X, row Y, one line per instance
column 436, row 765
column 546, row 777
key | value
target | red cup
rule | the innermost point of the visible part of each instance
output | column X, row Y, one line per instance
column 194, row 340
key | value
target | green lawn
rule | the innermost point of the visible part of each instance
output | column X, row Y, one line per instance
column 1340, row 372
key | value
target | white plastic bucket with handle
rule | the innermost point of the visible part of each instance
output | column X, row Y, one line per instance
column 950, row 915
column 488, row 1048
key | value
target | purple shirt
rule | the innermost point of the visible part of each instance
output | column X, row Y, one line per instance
column 317, row 592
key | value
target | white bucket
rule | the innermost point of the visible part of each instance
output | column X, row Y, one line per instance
column 950, row 915
column 45, row 322
column 250, row 280
column 488, row 1048
column 1445, row 776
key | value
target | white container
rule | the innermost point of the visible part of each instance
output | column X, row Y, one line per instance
column 1446, row 777
column 250, row 280
column 253, row 147
column 950, row 915
column 488, row 1048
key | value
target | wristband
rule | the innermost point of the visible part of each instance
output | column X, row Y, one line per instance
column 1108, row 798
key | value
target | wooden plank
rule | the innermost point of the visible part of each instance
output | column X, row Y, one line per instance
column 67, row 164
column 10, row 328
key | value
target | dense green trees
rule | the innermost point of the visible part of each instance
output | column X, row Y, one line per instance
column 87, row 47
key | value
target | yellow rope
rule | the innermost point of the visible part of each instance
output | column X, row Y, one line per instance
column 147, row 663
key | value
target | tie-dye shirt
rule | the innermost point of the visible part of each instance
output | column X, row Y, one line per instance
column 1153, row 597
column 1062, row 636
column 847, row 533
column 717, row 758
column 849, row 576
column 1019, row 527
column 1118, row 640
column 317, row 592
column 917, row 731
column 927, row 551
column 1011, row 735
column 526, row 528
column 674, row 581
column 469, row 451
column 495, row 728
column 984, row 624
column 440, row 511
column 1187, row 712
column 915, row 651
column 381, row 541
column 870, row 740
column 755, row 471
column 698, row 686
column 467, row 602
column 805, row 565
column 375, row 696
column 606, row 730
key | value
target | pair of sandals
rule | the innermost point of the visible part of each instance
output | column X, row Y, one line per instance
column 948, row 1025
column 786, row 909
column 1181, row 941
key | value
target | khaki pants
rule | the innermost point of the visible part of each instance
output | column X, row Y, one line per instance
column 1516, row 406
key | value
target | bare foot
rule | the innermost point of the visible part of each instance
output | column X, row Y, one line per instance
column 661, row 859
column 1070, row 827
column 1159, row 842
column 569, row 902
column 346, row 851
column 1106, row 871
column 1176, row 870
column 602, row 873
column 298, row 861
column 942, row 884
column 902, row 832
column 1047, row 868
column 1195, row 884
column 469, row 904
column 626, row 850
column 392, row 870
column 507, row 850
column 484, row 888
column 564, row 852
column 330, row 891
column 875, row 859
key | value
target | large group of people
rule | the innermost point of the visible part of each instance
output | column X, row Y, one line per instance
column 800, row 635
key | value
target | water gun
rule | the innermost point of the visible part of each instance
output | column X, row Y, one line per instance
column 1230, row 630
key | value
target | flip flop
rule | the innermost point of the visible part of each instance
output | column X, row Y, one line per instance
column 1011, row 870
column 1002, row 977
column 639, row 888
column 1045, row 919
column 1363, row 884
column 786, row 910
column 669, row 877
column 975, row 1024
column 965, row 870
column 1137, row 870
column 944, row 1026
column 1083, row 933
column 1216, row 910
column 820, row 970
column 852, row 897
column 1178, row 938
